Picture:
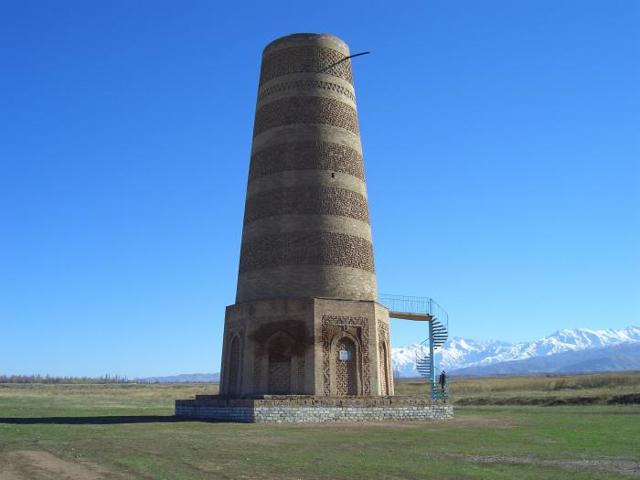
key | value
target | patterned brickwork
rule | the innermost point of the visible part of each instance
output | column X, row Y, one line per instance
column 279, row 377
column 306, row 248
column 346, row 370
column 306, row 156
column 332, row 326
column 383, row 332
column 306, row 84
column 306, row 201
column 383, row 358
column 306, row 59
column 306, row 110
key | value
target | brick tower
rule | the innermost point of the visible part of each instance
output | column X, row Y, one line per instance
column 306, row 319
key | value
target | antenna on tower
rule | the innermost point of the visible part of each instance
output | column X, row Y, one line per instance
column 343, row 59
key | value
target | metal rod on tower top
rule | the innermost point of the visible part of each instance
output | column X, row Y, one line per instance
column 344, row 59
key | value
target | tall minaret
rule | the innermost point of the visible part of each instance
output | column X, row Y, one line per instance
column 306, row 319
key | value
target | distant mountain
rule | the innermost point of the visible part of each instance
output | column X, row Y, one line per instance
column 577, row 350
column 460, row 353
column 185, row 378
column 625, row 356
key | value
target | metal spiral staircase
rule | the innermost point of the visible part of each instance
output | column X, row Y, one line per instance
column 427, row 310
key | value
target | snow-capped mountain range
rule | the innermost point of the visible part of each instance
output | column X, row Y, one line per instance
column 566, row 351
column 459, row 353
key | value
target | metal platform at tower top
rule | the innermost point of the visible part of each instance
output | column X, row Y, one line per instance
column 422, row 309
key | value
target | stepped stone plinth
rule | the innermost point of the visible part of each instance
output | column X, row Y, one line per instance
column 313, row 409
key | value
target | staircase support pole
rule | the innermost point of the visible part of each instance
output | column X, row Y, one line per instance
column 432, row 362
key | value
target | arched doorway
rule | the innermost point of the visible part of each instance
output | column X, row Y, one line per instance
column 234, row 367
column 346, row 367
column 279, row 379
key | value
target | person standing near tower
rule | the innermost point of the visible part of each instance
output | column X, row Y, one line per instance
column 442, row 381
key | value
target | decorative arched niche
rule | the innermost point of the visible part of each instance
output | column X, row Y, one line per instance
column 234, row 368
column 345, row 365
column 385, row 382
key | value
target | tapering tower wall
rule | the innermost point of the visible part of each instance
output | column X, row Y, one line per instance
column 306, row 224
column 306, row 319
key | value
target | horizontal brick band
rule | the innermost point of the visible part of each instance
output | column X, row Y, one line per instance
column 294, row 223
column 305, row 133
column 306, row 248
column 306, row 84
column 306, row 156
column 301, row 110
column 307, row 200
column 306, row 59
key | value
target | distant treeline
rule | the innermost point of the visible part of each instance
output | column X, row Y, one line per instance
column 68, row 380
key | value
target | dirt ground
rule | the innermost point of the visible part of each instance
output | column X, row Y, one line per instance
column 38, row 465
column 609, row 465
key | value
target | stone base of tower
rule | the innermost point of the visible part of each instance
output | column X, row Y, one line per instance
column 306, row 346
column 313, row 409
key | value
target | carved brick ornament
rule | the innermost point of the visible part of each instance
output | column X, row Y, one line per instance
column 306, row 84
column 329, row 331
column 306, row 59
column 307, row 201
column 306, row 110
column 306, row 248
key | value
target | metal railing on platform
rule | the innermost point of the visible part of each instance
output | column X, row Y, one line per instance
column 412, row 304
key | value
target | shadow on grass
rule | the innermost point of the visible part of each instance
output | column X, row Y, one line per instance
column 101, row 420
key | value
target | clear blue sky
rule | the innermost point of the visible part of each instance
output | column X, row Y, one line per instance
column 501, row 145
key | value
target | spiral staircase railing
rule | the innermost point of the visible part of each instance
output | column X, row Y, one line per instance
column 428, row 310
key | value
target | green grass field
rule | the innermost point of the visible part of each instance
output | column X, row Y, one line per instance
column 600, row 389
column 123, row 431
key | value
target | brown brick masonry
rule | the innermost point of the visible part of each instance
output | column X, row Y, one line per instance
column 308, row 84
column 305, row 201
column 306, row 110
column 306, row 248
column 305, row 59
column 306, row 156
